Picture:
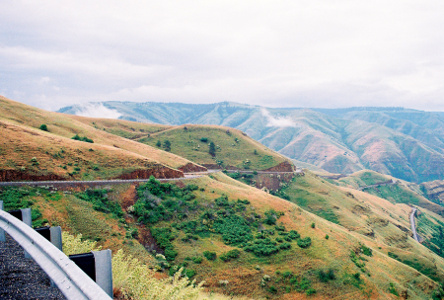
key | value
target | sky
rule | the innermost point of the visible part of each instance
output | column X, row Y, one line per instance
column 298, row 53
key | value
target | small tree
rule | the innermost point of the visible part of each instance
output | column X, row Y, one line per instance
column 167, row 145
column 158, row 144
column 212, row 149
column 43, row 127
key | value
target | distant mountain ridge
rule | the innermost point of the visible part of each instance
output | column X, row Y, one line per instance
column 405, row 143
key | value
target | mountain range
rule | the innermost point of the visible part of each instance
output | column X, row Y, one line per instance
column 404, row 143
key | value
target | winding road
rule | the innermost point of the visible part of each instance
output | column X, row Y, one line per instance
column 412, row 222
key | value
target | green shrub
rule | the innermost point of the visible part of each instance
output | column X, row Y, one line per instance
column 197, row 259
column 366, row 251
column 82, row 139
column 325, row 276
column 263, row 247
column 305, row 242
column 285, row 246
column 232, row 254
column 43, row 127
column 210, row 255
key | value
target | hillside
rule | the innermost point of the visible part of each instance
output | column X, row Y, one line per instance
column 404, row 143
column 52, row 153
column 243, row 241
column 315, row 238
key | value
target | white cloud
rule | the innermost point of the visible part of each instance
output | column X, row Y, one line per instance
column 277, row 121
column 97, row 110
column 286, row 53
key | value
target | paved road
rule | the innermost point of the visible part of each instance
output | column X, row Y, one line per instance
column 187, row 176
column 21, row 278
column 412, row 222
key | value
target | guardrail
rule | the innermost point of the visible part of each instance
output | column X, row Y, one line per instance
column 64, row 273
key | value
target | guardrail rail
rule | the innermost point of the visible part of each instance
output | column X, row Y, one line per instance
column 64, row 273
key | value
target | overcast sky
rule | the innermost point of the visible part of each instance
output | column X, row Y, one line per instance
column 274, row 53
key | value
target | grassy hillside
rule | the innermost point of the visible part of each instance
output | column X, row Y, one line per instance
column 40, row 142
column 404, row 143
column 232, row 147
column 320, row 239
column 396, row 191
column 243, row 241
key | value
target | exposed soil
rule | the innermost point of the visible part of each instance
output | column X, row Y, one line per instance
column 272, row 181
column 282, row 167
column 16, row 175
column 158, row 172
column 190, row 167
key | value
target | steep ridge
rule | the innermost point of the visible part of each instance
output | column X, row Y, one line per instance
column 404, row 143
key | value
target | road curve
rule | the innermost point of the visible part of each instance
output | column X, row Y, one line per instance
column 412, row 222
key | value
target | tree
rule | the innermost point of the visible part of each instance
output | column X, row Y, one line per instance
column 43, row 127
column 212, row 149
column 167, row 145
column 158, row 144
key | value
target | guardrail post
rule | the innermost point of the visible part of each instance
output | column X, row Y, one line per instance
column 2, row 232
column 104, row 274
column 56, row 237
column 98, row 266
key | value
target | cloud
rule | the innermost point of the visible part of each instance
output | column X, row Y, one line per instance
column 97, row 110
column 277, row 122
column 285, row 53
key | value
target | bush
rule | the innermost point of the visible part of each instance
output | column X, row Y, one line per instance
column 82, row 139
column 285, row 246
column 197, row 259
column 232, row 254
column 43, row 127
column 326, row 276
column 210, row 255
column 305, row 242
column 264, row 247
column 204, row 140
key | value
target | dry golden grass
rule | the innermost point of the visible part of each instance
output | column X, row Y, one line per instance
column 61, row 125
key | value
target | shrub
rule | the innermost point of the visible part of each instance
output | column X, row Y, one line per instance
column 285, row 246
column 167, row 145
column 212, row 149
column 210, row 255
column 366, row 251
column 82, row 139
column 264, row 247
column 204, row 140
column 43, row 127
column 326, row 276
column 73, row 244
column 232, row 254
column 197, row 259
column 313, row 225
column 158, row 144
column 305, row 242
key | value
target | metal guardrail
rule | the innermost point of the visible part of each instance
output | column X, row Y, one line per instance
column 66, row 275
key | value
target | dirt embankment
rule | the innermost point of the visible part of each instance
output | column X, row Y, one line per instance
column 282, row 167
column 272, row 181
column 190, row 168
column 16, row 175
column 157, row 171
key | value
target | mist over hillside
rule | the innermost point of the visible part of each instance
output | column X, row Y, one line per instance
column 405, row 143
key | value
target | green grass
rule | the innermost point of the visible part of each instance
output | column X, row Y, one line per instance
column 231, row 147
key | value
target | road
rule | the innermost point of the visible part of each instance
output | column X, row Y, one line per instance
column 187, row 176
column 412, row 222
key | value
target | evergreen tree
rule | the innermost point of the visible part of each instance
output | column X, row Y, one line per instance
column 212, row 149
column 167, row 145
